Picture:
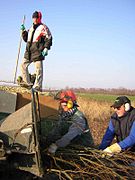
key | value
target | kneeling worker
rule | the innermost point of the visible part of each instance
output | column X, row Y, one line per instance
column 72, row 127
column 121, row 126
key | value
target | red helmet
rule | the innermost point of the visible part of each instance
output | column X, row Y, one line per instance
column 67, row 95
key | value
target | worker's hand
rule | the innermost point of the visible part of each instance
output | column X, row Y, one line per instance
column 106, row 153
column 19, row 79
column 45, row 52
column 22, row 27
column 52, row 148
column 111, row 150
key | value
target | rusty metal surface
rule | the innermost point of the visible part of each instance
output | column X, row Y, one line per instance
column 15, row 129
column 17, row 119
column 48, row 106
column 7, row 102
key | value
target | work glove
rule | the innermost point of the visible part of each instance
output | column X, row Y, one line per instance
column 19, row 79
column 45, row 52
column 52, row 148
column 111, row 150
column 22, row 27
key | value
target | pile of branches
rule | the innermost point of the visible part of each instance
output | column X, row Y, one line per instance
column 86, row 163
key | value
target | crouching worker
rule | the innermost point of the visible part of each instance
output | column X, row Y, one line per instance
column 72, row 127
column 121, row 126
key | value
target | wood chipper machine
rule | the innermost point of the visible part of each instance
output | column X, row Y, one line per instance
column 21, row 131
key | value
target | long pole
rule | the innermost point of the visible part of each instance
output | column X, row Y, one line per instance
column 19, row 49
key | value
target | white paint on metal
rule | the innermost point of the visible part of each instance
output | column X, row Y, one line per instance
column 26, row 130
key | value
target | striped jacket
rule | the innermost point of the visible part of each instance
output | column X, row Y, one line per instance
column 37, row 37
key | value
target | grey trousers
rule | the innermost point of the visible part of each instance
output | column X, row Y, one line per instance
column 38, row 70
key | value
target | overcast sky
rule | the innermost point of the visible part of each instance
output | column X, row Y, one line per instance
column 93, row 41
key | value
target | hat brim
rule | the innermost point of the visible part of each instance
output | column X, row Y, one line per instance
column 116, row 105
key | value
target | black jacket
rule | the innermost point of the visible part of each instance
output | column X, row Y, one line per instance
column 122, row 125
column 38, row 37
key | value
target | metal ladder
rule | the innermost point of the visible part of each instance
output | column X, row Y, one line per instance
column 37, row 130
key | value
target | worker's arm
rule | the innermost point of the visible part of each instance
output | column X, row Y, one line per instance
column 48, row 37
column 75, row 129
column 25, row 35
column 129, row 141
column 108, row 137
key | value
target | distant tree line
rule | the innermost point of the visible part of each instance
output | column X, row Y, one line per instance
column 113, row 91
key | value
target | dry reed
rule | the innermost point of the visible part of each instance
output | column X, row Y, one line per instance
column 85, row 163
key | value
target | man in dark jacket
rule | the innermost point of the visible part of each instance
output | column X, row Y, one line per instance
column 121, row 126
column 72, row 128
column 39, row 41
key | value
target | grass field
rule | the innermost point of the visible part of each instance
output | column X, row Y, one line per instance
column 102, row 97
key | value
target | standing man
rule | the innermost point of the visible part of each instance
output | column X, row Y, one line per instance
column 121, row 126
column 72, row 127
column 39, row 41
